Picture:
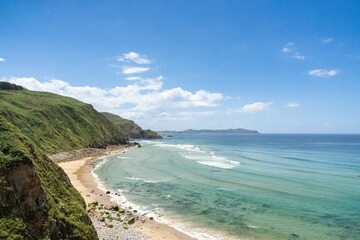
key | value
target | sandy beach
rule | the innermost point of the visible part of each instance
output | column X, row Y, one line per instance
column 127, row 225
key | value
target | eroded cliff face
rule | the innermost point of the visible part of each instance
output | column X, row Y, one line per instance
column 21, row 195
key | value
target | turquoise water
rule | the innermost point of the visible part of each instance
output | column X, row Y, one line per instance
column 264, row 186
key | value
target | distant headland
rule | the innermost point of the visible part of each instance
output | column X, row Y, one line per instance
column 236, row 130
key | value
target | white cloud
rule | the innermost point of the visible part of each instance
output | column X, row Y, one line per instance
column 133, row 70
column 290, row 50
column 133, row 78
column 2, row 59
column 327, row 40
column 323, row 73
column 255, row 107
column 292, row 105
column 134, row 57
column 141, row 99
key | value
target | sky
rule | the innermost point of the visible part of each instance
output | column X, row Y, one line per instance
column 271, row 66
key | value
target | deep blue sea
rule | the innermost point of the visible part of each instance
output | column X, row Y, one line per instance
column 238, row 186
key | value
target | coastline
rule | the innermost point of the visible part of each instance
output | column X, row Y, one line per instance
column 78, row 165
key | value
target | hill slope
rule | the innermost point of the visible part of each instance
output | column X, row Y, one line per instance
column 130, row 128
column 37, row 200
column 56, row 123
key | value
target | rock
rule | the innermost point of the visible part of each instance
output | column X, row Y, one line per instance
column 126, row 226
column 107, row 192
column 109, row 225
column 130, row 207
column 135, row 211
column 102, row 219
column 131, row 221
column 115, row 208
column 92, row 191
column 151, row 218
column 87, row 195
column 295, row 235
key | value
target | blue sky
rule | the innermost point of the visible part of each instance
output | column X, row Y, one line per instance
column 273, row 66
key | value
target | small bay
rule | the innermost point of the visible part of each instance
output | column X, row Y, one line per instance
column 255, row 186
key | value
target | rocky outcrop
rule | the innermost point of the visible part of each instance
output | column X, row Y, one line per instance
column 21, row 195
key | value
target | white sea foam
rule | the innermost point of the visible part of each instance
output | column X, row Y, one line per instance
column 186, row 147
column 213, row 161
column 196, row 157
column 201, row 156
column 99, row 183
column 223, row 165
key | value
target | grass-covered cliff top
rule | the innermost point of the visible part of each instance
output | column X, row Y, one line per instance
column 57, row 123
column 37, row 200
column 130, row 128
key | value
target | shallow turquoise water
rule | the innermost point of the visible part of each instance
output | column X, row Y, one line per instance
column 263, row 186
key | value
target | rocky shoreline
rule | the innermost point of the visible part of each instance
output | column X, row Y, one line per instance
column 112, row 222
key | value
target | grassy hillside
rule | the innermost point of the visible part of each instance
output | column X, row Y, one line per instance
column 130, row 128
column 56, row 123
column 37, row 200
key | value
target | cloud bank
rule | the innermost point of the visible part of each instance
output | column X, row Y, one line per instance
column 144, row 99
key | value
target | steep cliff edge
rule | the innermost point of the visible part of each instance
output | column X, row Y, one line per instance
column 130, row 128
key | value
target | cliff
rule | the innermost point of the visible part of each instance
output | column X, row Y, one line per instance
column 130, row 128
column 37, row 200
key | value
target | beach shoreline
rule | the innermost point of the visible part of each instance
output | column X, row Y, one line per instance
column 78, row 165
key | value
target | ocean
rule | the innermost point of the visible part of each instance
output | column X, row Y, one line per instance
column 239, row 186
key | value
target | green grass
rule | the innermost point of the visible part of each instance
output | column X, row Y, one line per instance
column 56, row 123
column 130, row 128
column 12, row 228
